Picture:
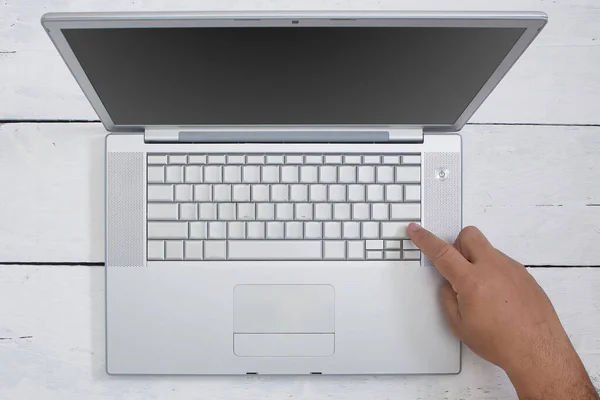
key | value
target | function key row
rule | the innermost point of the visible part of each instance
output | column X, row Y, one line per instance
column 280, row 159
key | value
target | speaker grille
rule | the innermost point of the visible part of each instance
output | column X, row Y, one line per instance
column 442, row 200
column 125, row 210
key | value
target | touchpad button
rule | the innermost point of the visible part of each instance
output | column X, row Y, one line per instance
column 283, row 309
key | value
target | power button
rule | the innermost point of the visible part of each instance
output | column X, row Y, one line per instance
column 441, row 174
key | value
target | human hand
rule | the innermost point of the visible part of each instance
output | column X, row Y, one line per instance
column 499, row 311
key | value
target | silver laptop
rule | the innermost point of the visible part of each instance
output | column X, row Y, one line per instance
column 261, row 171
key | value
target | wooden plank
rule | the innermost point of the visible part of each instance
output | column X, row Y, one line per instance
column 533, row 191
column 52, row 347
column 556, row 82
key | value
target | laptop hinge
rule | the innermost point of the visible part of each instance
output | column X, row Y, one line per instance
column 273, row 134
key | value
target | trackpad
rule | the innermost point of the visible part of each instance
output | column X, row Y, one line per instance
column 283, row 309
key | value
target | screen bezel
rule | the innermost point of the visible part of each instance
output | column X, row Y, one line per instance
column 532, row 22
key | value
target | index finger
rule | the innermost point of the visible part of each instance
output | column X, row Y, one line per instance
column 448, row 261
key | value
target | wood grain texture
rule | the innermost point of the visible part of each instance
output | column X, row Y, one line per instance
column 556, row 82
column 52, row 347
column 532, row 190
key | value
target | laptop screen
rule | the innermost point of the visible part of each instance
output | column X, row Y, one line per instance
column 289, row 75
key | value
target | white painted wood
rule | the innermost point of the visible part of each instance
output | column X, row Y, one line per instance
column 556, row 81
column 52, row 347
column 533, row 190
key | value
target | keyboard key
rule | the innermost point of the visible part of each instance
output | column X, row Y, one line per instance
column 260, row 193
column 318, row 193
column 284, row 211
column 391, row 159
column 160, row 193
column 374, row 255
column 270, row 174
column 408, row 174
column 337, row 193
column 294, row 159
column 313, row 160
column 332, row 230
column 232, row 174
column 279, row 250
column 236, row 230
column 405, row 211
column 265, row 211
column 217, row 230
column 196, row 159
column 274, row 159
column 298, row 193
column 226, row 211
column 202, row 193
column 207, row 212
column 255, row 230
column 193, row 250
column 289, row 174
column 236, row 159
column 193, row 174
column 392, row 255
column 309, row 174
column 293, row 230
column 187, row 211
column 352, row 160
column 409, row 245
column 351, row 230
column 356, row 250
column 280, row 193
column 250, row 174
column 174, row 250
column 162, row 211
column 157, row 159
column 385, row 174
column 222, row 192
column 183, row 193
column 334, row 250
column 178, row 159
column 156, row 250
column 347, row 174
column 413, row 159
column 246, row 212
column 412, row 255
column 393, row 244
column 370, row 230
column 341, row 212
column 356, row 193
column 167, row 230
column 374, row 244
column 215, row 250
column 394, row 230
column 380, row 211
column 241, row 193
column 372, row 159
column 216, row 159
column 313, row 230
column 333, row 159
column 323, row 211
column 174, row 174
column 375, row 192
column 366, row 174
column 275, row 230
column 255, row 159
column 303, row 211
column 327, row 174
column 361, row 212
column 156, row 175
column 212, row 174
column 412, row 192
column 198, row 230
column 393, row 193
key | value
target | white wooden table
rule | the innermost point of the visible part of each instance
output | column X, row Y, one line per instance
column 532, row 184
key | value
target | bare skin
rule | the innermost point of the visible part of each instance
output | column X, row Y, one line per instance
column 501, row 313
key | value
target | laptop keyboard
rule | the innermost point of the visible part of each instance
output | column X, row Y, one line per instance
column 287, row 207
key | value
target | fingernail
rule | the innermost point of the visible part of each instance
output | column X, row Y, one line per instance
column 412, row 227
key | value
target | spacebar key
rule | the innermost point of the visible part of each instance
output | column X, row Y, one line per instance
column 279, row 250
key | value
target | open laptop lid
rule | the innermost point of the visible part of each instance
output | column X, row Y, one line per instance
column 426, row 70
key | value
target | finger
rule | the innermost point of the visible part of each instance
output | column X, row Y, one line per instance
column 449, row 262
column 472, row 244
column 451, row 310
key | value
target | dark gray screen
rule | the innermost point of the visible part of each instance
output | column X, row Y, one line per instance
column 295, row 75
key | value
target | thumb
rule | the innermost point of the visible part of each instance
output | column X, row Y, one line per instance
column 451, row 310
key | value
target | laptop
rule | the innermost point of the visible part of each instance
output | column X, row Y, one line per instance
column 261, row 171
